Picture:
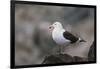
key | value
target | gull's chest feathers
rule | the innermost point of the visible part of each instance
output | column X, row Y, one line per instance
column 58, row 37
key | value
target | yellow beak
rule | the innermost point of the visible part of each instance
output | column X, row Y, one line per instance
column 51, row 27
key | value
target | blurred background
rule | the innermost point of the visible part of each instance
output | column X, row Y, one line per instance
column 33, row 39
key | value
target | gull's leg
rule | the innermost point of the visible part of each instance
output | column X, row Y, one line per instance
column 59, row 51
column 63, row 48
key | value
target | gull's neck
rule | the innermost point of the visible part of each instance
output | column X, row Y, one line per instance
column 58, row 28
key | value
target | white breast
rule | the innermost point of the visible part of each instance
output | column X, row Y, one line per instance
column 58, row 37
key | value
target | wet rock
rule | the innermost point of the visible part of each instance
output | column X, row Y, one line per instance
column 62, row 58
column 91, row 54
column 59, row 58
column 79, row 59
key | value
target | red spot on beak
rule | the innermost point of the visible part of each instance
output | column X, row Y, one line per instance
column 49, row 27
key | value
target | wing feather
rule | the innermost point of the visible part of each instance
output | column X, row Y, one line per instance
column 70, row 37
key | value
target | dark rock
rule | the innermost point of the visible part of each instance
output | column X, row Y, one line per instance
column 59, row 58
column 91, row 54
column 79, row 59
column 62, row 58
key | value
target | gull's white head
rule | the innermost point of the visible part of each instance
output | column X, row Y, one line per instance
column 56, row 25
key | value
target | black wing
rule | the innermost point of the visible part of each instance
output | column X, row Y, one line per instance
column 70, row 37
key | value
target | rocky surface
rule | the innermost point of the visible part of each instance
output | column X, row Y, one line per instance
column 91, row 54
column 65, row 58
column 62, row 58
